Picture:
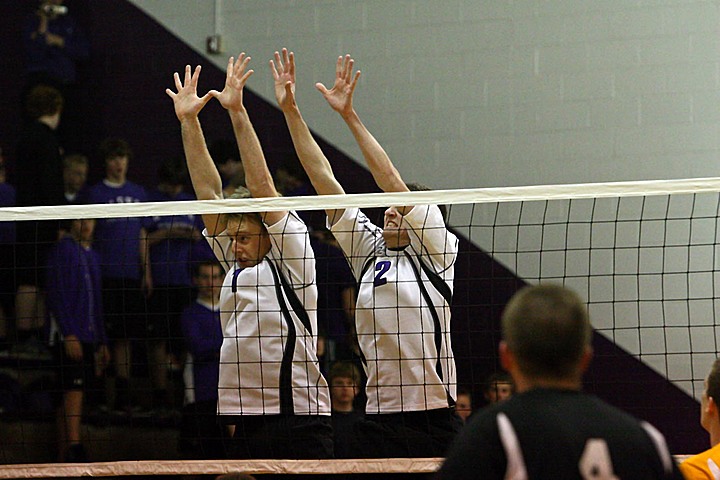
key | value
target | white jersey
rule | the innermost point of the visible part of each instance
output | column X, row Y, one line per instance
column 268, row 359
column 402, row 314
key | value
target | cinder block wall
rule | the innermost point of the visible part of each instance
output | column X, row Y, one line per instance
column 469, row 93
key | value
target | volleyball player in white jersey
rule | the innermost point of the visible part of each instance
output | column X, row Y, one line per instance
column 270, row 384
column 404, row 272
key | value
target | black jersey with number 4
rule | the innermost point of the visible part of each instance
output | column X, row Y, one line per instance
column 558, row 434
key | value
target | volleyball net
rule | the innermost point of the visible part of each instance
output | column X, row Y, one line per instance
column 644, row 255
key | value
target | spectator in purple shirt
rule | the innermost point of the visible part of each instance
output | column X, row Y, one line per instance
column 77, row 329
column 127, row 278
column 171, row 240
column 201, row 436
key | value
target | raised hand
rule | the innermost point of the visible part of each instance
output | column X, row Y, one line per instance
column 186, row 100
column 340, row 96
column 231, row 98
column 283, row 71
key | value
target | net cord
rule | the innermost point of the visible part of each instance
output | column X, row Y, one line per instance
column 367, row 200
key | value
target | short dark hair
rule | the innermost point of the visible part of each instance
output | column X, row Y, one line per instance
column 342, row 369
column 713, row 381
column 43, row 100
column 548, row 329
column 173, row 171
column 115, row 147
column 75, row 159
column 497, row 377
column 204, row 263
column 421, row 187
column 223, row 150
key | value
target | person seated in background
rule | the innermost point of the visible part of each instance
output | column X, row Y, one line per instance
column 550, row 428
column 706, row 465
column 77, row 329
column 75, row 171
column 201, row 435
column 463, row 405
column 498, row 387
column 344, row 379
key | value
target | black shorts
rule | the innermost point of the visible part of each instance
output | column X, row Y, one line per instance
column 165, row 306
column 282, row 436
column 125, row 309
column 34, row 241
column 73, row 374
column 201, row 434
column 423, row 434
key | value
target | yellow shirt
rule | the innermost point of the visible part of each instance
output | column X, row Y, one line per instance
column 703, row 466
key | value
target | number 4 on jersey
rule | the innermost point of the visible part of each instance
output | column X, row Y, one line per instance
column 595, row 463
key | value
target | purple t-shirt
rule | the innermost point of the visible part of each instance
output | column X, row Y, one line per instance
column 203, row 334
column 170, row 259
column 117, row 240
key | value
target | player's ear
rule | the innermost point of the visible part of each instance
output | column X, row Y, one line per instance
column 507, row 359
column 711, row 408
column 586, row 359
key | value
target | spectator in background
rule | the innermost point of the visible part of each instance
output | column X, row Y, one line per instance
column 499, row 386
column 336, row 297
column 706, row 465
column 345, row 384
column 201, row 435
column 126, row 275
column 54, row 45
column 170, row 239
column 7, row 258
column 463, row 405
column 77, row 329
column 226, row 156
column 38, row 179
column 75, row 171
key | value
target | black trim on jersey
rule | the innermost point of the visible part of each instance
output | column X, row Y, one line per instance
column 287, row 406
column 436, row 280
column 437, row 334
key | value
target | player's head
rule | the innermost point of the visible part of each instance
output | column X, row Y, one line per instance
column 75, row 170
column 463, row 404
column 172, row 176
column 83, row 230
column 208, row 278
column 116, row 153
column 344, row 385
column 499, row 386
column 546, row 335
column 250, row 239
column 394, row 231
column 709, row 414
column 226, row 156
column 44, row 101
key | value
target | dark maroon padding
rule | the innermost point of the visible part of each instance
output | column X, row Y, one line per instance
column 133, row 58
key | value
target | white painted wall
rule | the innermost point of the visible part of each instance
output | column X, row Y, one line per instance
column 472, row 93
column 475, row 93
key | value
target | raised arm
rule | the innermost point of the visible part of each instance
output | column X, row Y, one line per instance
column 313, row 160
column 205, row 177
column 257, row 176
column 340, row 98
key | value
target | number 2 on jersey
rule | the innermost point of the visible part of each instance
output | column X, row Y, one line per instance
column 381, row 268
